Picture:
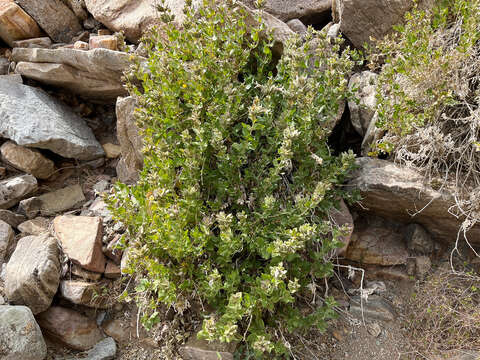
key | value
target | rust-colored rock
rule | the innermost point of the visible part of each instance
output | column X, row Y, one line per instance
column 81, row 240
column 112, row 271
column 16, row 24
column 69, row 328
column 28, row 160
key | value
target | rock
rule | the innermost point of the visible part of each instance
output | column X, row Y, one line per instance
column 198, row 349
column 54, row 202
column 342, row 217
column 54, row 17
column 83, row 293
column 392, row 273
column 130, row 141
column 103, row 42
column 372, row 136
column 33, row 273
column 6, row 237
column 27, row 160
column 16, row 24
column 101, row 186
column 423, row 264
column 377, row 243
column 69, row 328
column 118, row 329
column 104, row 350
column 112, row 151
column 297, row 26
column 89, row 275
column 100, row 208
column 374, row 329
column 418, row 239
column 14, row 189
column 375, row 308
column 4, row 66
column 81, row 240
column 12, row 218
column 3, row 171
column 112, row 271
column 35, row 226
column 112, row 252
column 95, row 74
column 133, row 17
column 20, row 335
column 398, row 192
column 78, row 8
column 32, row 118
column 41, row 42
column 12, row 77
column 290, row 9
column 371, row 18
column 362, row 113
column 81, row 45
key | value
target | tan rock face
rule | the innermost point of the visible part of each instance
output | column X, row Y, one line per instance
column 197, row 349
column 112, row 151
column 130, row 141
column 95, row 74
column 120, row 330
column 83, row 293
column 397, row 192
column 35, row 226
column 54, row 17
column 42, row 42
column 103, row 41
column 16, row 24
column 33, row 273
column 27, row 160
column 81, row 240
column 69, row 328
column 112, row 271
column 378, row 244
column 88, row 275
column 6, row 237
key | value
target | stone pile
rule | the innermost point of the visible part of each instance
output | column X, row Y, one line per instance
column 59, row 252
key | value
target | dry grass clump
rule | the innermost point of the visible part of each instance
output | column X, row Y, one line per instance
column 444, row 313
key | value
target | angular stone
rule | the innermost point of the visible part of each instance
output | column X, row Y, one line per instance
column 112, row 151
column 35, row 226
column 377, row 244
column 3, row 171
column 297, row 26
column 418, row 239
column 83, row 293
column 69, row 328
column 104, row 350
column 360, row 20
column 6, row 237
column 118, row 329
column 81, row 45
column 42, row 42
column 31, row 117
column 131, row 142
column 112, row 271
column 20, row 335
column 103, row 42
column 11, row 218
column 27, row 160
column 362, row 113
column 81, row 240
column 16, row 24
column 399, row 192
column 198, row 349
column 375, row 307
column 290, row 9
column 88, row 275
column 4, row 65
column 54, row 17
column 14, row 189
column 95, row 74
column 54, row 202
column 12, row 77
column 112, row 252
column 33, row 273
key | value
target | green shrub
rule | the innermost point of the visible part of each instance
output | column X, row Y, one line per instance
column 231, row 210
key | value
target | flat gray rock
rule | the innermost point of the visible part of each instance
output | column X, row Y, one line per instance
column 20, row 335
column 31, row 117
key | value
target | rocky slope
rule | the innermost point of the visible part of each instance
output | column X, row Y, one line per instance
column 67, row 132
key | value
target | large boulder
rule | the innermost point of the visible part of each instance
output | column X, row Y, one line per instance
column 33, row 273
column 400, row 192
column 288, row 9
column 32, row 118
column 14, row 189
column 69, row 328
column 130, row 141
column 95, row 74
column 20, row 335
column 16, row 24
column 360, row 20
column 54, row 17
